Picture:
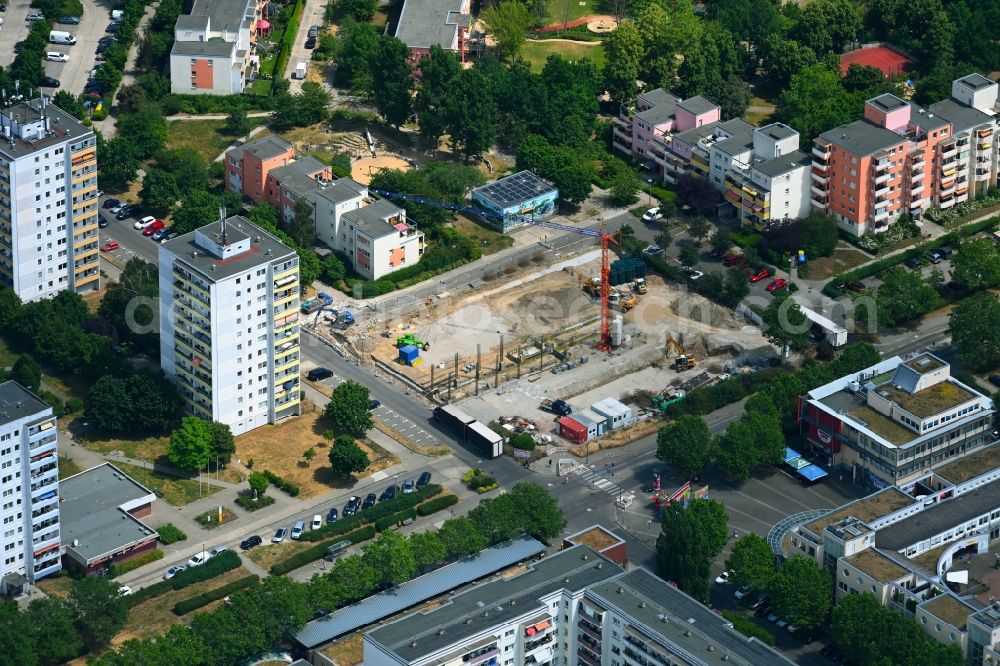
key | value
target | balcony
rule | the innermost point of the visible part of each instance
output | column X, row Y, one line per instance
column 883, row 165
column 587, row 658
column 882, row 193
column 917, row 203
column 590, row 629
column 949, row 151
column 915, row 176
column 821, row 152
column 881, row 215
column 945, row 191
column 818, row 178
column 917, row 189
column 818, row 201
column 481, row 655
column 883, row 178
column 946, row 203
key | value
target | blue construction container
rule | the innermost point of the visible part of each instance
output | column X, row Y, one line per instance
column 408, row 354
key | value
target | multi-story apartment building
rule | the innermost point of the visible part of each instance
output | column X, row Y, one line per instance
column 229, row 323
column 213, row 52
column 29, row 481
column 48, row 201
column 972, row 110
column 894, row 422
column 573, row 607
column 426, row 23
column 643, row 127
column 248, row 166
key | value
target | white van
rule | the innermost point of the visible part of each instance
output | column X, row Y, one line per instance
column 61, row 37
column 117, row 14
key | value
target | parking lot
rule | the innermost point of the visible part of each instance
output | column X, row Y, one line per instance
column 131, row 241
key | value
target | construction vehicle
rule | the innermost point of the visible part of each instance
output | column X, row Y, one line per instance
column 560, row 407
column 343, row 321
column 627, row 301
column 682, row 361
column 639, row 286
column 308, row 307
column 410, row 339
column 667, row 398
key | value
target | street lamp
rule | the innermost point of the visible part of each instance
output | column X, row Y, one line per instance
column 649, row 188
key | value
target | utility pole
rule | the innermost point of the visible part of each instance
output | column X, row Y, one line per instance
column 478, row 359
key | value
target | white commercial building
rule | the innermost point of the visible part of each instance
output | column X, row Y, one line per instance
column 48, row 201
column 229, row 323
column 29, row 482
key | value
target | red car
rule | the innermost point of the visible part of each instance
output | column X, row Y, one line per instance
column 109, row 246
column 153, row 228
column 777, row 284
column 733, row 259
column 760, row 275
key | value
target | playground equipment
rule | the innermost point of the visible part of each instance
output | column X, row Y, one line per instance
column 410, row 339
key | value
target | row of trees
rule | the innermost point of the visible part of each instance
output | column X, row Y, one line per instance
column 258, row 618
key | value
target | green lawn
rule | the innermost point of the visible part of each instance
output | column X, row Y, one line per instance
column 491, row 241
column 68, row 467
column 579, row 10
column 537, row 52
column 205, row 136
column 174, row 490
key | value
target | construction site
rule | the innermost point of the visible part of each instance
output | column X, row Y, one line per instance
column 534, row 332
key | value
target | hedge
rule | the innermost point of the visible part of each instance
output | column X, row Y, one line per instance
column 185, row 606
column 142, row 560
column 170, row 533
column 251, row 504
column 382, row 524
column 281, row 484
column 436, row 504
column 148, row 592
column 304, row 557
column 747, row 628
column 288, row 40
column 225, row 561
column 374, row 513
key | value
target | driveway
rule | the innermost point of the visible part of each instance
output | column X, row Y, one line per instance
column 73, row 74
column 14, row 29
column 312, row 14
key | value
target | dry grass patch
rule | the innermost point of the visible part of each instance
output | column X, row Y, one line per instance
column 618, row 438
column 347, row 651
column 68, row 467
column 488, row 239
column 149, row 449
column 843, row 259
column 56, row 586
column 279, row 449
column 268, row 555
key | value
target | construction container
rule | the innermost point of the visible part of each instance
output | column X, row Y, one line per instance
column 572, row 429
column 617, row 414
column 486, row 442
column 626, row 269
column 408, row 354
column 596, row 424
column 454, row 419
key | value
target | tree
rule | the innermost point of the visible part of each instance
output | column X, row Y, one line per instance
column 188, row 168
column 472, row 111
column 302, row 226
column 714, row 522
column 100, row 611
column 697, row 194
column 359, row 10
column 698, row 227
column 179, row 645
column 191, row 444
column 52, row 630
column 977, row 266
column 686, row 444
column 494, row 520
column 275, row 608
column 783, row 58
column 428, row 550
column 668, row 29
column 348, row 408
column 258, row 483
column 391, row 558
column 68, row 103
column 537, row 510
column 565, row 168
column 439, row 71
column 159, row 189
column 237, row 122
column 223, row 444
column 356, row 44
column 109, row 405
column 816, row 101
column 974, row 325
column 623, row 52
column 688, row 255
column 801, row 592
column 393, row 80
column 752, row 562
column 735, row 288
column 460, row 536
column 197, row 209
column 308, row 455
column 117, row 161
column 144, row 131
column 16, row 649
column 826, row 25
column 27, row 372
column 346, row 457
column 683, row 551
column 903, row 296
column 784, row 323
column 722, row 240
column 354, row 578
column 625, row 187
column 563, row 11
column 507, row 24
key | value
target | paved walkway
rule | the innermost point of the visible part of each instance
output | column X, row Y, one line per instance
column 314, row 13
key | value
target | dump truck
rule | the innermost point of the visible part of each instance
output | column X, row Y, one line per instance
column 410, row 339
column 560, row 407
column 309, row 307
column 639, row 286
column 627, row 301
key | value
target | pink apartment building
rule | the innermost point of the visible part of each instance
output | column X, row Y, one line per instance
column 266, row 170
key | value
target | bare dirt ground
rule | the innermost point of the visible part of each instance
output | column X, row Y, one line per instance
column 363, row 169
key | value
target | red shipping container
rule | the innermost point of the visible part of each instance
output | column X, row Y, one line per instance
column 572, row 429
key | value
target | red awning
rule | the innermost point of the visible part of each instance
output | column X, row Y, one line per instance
column 543, row 625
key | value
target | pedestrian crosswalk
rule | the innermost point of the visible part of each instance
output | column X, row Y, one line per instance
column 599, row 479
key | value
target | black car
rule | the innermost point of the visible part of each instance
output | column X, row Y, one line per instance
column 762, row 600
column 913, row 263
column 107, row 39
column 995, row 380
column 374, row 404
column 763, row 610
column 110, row 203
column 48, row 82
column 945, row 251
column 369, row 501
column 127, row 211
column 933, row 257
column 69, row 20
column 102, row 221
column 388, row 494
column 112, row 28
column 424, row 479
column 331, row 516
column 352, row 506
column 251, row 542
column 319, row 374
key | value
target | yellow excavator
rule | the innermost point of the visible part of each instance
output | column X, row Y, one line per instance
column 682, row 361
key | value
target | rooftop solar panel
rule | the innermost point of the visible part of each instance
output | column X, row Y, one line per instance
column 514, row 189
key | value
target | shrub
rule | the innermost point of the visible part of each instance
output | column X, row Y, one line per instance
column 185, row 606
column 150, row 591
column 743, row 625
column 250, row 504
column 304, row 557
column 142, row 560
column 479, row 481
column 220, row 564
column 436, row 504
column 169, row 534
column 382, row 524
column 523, row 441
column 280, row 483
column 488, row 487
column 288, row 39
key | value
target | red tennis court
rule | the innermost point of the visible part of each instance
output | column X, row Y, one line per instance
column 890, row 62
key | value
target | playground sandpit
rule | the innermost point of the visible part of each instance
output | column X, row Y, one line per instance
column 602, row 25
column 364, row 168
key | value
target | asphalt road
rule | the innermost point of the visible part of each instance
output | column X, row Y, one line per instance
column 13, row 30
column 132, row 242
column 73, row 75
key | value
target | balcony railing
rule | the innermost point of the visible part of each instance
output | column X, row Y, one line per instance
column 587, row 658
column 821, row 152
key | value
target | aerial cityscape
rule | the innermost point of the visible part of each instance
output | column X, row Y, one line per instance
column 499, row 333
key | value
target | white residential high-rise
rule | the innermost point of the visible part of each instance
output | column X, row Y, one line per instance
column 229, row 323
column 29, row 485
column 48, row 201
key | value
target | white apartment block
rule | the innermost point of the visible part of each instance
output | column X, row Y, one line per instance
column 229, row 323
column 574, row 607
column 48, row 201
column 214, row 46
column 972, row 110
column 374, row 233
column 29, row 485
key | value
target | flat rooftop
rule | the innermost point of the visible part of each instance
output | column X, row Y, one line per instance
column 265, row 148
column 264, row 249
column 970, row 466
column 17, row 402
column 940, row 518
column 424, row 23
column 950, row 609
column 927, row 402
column 861, row 138
column 596, row 537
column 63, row 126
column 892, row 431
column 514, row 189
column 877, row 565
column 865, row 509
column 89, row 511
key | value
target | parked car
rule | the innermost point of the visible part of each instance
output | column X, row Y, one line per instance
column 424, row 479
column 317, row 522
column 112, row 28
column 692, row 273
column 48, row 82
column 279, row 535
column 723, row 577
column 331, row 515
column 945, row 251
column 215, row 551
column 734, row 260
column 369, row 500
column 173, row 571
column 762, row 600
column 157, row 225
column 56, row 56
column 933, row 257
column 251, row 542
column 144, row 222
column 102, row 221
column 110, row 246
column 69, row 20
column 913, row 263
column 858, row 287
column 352, row 506
column 198, row 559
column 653, row 250
column 124, row 590
column 111, row 202
column 772, row 618
column 760, row 275
column 409, row 486
column 742, row 592
column 319, row 374
column 652, row 215
column 35, row 16
column 374, row 404
column 777, row 284
column 763, row 610
column 126, row 211
column 781, row 623
column 159, row 233
column 297, row 530
column 388, row 494
column 167, row 236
